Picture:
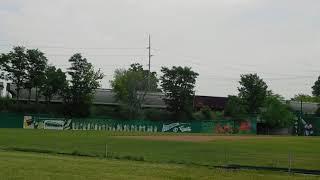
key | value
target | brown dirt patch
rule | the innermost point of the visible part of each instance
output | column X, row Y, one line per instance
column 191, row 138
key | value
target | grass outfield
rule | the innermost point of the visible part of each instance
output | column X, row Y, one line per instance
column 256, row 151
column 20, row 165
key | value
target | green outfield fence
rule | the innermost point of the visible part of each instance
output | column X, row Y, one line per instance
column 315, row 121
column 223, row 126
column 219, row 126
column 11, row 120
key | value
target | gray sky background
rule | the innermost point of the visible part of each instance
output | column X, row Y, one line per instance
column 220, row 39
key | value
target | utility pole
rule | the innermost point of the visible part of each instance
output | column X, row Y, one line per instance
column 149, row 48
column 300, row 118
column 149, row 64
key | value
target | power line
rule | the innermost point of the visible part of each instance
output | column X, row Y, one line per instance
column 98, row 55
column 239, row 67
column 66, row 47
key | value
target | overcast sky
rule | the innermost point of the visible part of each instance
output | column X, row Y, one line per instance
column 220, row 39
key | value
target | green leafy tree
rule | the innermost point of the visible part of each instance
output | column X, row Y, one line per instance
column 131, row 86
column 235, row 107
column 305, row 98
column 15, row 66
column 54, row 83
column 149, row 81
column 178, row 84
column 36, row 67
column 316, row 88
column 206, row 113
column 253, row 92
column 3, row 61
column 84, row 82
column 276, row 114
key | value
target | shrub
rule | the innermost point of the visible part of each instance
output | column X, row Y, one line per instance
column 235, row 107
column 5, row 103
column 217, row 114
column 106, row 111
column 10, row 105
column 207, row 114
column 276, row 114
column 199, row 116
column 182, row 116
column 206, row 111
column 157, row 115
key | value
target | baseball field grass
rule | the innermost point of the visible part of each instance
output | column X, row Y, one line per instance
column 21, row 165
column 162, row 155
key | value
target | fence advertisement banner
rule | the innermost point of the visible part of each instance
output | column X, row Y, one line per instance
column 28, row 123
column 218, row 126
column 235, row 127
column 34, row 122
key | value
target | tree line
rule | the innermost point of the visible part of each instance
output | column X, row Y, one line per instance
column 29, row 68
column 177, row 83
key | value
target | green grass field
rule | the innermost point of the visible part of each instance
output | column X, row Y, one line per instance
column 161, row 158
column 19, row 165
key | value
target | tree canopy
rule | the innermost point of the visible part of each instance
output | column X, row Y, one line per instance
column 28, row 69
column 235, row 107
column 3, row 61
column 253, row 92
column 54, row 83
column 276, row 114
column 15, row 64
column 305, row 98
column 131, row 86
column 83, row 84
column 37, row 64
column 178, row 85
column 316, row 87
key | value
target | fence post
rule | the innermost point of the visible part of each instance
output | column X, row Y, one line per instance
column 225, row 156
column 106, row 151
column 289, row 162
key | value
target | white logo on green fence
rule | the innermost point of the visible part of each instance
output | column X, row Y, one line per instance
column 176, row 127
column 113, row 127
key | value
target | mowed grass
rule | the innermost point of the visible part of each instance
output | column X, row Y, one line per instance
column 255, row 151
column 21, row 165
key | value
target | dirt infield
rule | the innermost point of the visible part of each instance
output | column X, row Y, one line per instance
column 191, row 138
